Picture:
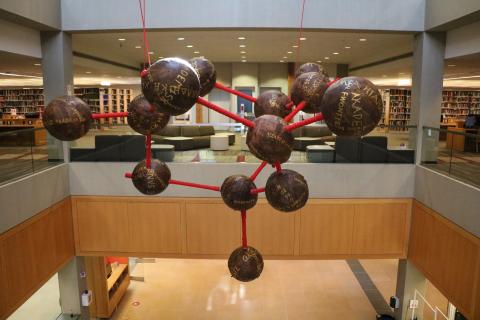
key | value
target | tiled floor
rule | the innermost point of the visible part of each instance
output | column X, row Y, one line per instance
column 289, row 289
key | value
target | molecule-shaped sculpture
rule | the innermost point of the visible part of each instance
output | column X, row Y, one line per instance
column 350, row 106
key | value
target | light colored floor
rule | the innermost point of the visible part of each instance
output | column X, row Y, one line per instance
column 43, row 305
column 203, row 289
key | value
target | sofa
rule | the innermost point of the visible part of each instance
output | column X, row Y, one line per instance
column 188, row 137
column 311, row 135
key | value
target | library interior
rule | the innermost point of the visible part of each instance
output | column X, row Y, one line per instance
column 289, row 159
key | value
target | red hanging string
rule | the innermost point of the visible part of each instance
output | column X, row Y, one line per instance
column 300, row 32
column 146, row 46
column 244, row 228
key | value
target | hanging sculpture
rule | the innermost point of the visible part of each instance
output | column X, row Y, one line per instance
column 350, row 106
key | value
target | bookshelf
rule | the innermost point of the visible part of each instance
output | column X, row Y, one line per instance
column 107, row 288
column 457, row 104
column 397, row 107
column 26, row 102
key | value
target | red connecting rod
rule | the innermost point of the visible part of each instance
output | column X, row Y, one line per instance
column 227, row 113
column 194, row 185
column 259, row 169
column 299, row 124
column 256, row 191
column 292, row 114
column 235, row 92
column 244, row 228
column 109, row 115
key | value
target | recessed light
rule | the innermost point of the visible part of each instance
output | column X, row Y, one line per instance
column 347, row 47
column 326, row 58
column 138, row 47
column 189, row 45
column 362, row 39
column 289, row 52
column 243, row 52
column 121, row 39
column 244, row 57
column 196, row 52
column 244, row 60
column 335, row 52
column 151, row 52
column 242, row 46
column 180, row 39
column 282, row 61
column 241, row 38
column 285, row 57
column 452, row 65
column 119, row 77
column 384, row 75
column 319, row 61
column 37, row 64
column 105, row 83
column 401, row 73
column 88, row 72
column 294, row 46
column 160, row 57
column 303, row 39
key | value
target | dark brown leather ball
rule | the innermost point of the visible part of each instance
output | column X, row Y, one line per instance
column 268, row 140
column 206, row 72
column 67, row 118
column 286, row 190
column 352, row 106
column 144, row 117
column 172, row 84
column 311, row 67
column 235, row 192
column 272, row 102
column 309, row 87
column 151, row 180
column 245, row 264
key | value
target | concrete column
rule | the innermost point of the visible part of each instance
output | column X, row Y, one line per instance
column 57, row 64
column 427, row 85
column 342, row 70
column 409, row 279
column 72, row 282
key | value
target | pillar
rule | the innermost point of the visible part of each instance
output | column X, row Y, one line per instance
column 72, row 283
column 57, row 65
column 409, row 279
column 427, row 85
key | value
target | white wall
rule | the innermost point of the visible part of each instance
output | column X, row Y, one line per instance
column 41, row 12
column 273, row 75
column 439, row 12
column 18, row 39
column 464, row 40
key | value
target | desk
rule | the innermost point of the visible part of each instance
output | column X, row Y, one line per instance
column 24, row 138
column 460, row 142
column 446, row 126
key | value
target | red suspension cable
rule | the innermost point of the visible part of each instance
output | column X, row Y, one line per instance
column 148, row 150
column 229, row 114
column 293, row 126
column 258, row 190
column 259, row 169
column 300, row 31
column 109, row 115
column 292, row 114
column 146, row 45
column 195, row 185
column 244, row 228
column 235, row 92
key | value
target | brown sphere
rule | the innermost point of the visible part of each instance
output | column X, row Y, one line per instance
column 151, row 180
column 206, row 72
column 311, row 67
column 144, row 117
column 272, row 102
column 309, row 87
column 352, row 106
column 286, row 190
column 268, row 140
column 245, row 264
column 236, row 194
column 67, row 118
column 172, row 84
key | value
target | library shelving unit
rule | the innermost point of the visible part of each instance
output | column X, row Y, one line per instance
column 458, row 103
column 397, row 106
column 107, row 287
column 27, row 101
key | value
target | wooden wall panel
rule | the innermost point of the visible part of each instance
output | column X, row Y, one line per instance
column 212, row 228
column 380, row 229
column 448, row 256
column 154, row 231
column 326, row 229
column 271, row 230
column 32, row 252
column 102, row 225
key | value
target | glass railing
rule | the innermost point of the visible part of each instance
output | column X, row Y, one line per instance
column 454, row 151
column 226, row 143
column 26, row 151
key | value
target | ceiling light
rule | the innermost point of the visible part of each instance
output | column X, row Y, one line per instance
column 319, row 61
column 151, row 52
column 401, row 73
column 242, row 46
column 88, row 72
column 180, row 39
column 243, row 52
column 285, row 57
column 37, row 64
column 452, row 65
column 289, row 52
column 326, row 58
column 138, row 47
column 303, row 39
column 335, row 52
column 160, row 57
column 121, row 39
column 244, row 57
column 196, row 52
column 347, row 47
column 105, row 83
column 362, row 39
column 189, row 45
column 244, row 60
column 294, row 46
column 282, row 61
column 241, row 38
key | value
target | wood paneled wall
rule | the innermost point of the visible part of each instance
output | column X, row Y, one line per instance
column 32, row 252
column 140, row 226
column 448, row 256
